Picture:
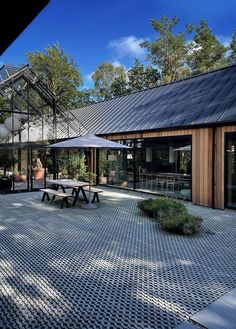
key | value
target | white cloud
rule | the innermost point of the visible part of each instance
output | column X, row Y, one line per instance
column 226, row 40
column 116, row 63
column 128, row 46
column 88, row 76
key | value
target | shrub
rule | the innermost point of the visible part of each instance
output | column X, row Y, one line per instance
column 161, row 207
column 172, row 215
column 168, row 206
column 184, row 223
column 148, row 207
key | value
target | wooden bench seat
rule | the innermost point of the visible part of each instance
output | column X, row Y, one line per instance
column 55, row 193
column 94, row 191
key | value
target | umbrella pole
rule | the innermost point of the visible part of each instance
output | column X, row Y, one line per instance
column 89, row 205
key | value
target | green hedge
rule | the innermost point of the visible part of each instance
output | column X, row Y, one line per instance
column 172, row 215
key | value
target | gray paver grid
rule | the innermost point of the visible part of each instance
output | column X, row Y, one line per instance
column 108, row 268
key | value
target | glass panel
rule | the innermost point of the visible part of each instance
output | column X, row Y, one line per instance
column 116, row 166
column 163, row 165
column 38, row 168
column 230, row 183
column 6, row 169
column 20, row 173
column 69, row 163
column 13, row 169
column 158, row 165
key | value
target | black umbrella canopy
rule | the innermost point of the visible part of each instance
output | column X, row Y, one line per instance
column 89, row 141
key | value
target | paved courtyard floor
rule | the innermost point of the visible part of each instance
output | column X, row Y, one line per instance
column 109, row 268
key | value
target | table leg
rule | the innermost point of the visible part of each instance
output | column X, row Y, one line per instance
column 84, row 194
column 63, row 189
column 45, row 194
column 76, row 192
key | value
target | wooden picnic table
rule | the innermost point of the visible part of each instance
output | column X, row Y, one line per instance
column 76, row 186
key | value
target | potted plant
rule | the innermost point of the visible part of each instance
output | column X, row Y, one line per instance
column 23, row 174
column 38, row 170
column 103, row 168
column 5, row 183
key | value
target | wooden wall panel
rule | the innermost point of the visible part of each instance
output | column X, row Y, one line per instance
column 202, row 140
column 150, row 134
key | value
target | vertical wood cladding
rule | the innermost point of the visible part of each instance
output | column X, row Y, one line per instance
column 202, row 166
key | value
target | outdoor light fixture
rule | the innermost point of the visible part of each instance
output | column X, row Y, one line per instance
column 12, row 125
column 4, row 132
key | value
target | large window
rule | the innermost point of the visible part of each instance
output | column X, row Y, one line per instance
column 116, row 167
column 157, row 165
column 230, row 170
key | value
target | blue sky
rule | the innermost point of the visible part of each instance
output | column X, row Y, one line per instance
column 109, row 30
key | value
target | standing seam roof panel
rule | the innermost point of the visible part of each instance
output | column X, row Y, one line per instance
column 202, row 99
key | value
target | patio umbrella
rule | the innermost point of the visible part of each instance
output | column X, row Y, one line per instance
column 186, row 148
column 89, row 141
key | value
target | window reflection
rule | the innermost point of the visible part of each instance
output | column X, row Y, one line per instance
column 230, row 183
column 158, row 165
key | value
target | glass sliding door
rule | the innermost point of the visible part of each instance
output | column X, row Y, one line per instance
column 230, row 170
column 163, row 166
column 115, row 167
column 157, row 165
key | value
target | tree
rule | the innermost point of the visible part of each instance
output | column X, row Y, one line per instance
column 232, row 47
column 207, row 52
column 141, row 77
column 59, row 73
column 107, row 78
column 169, row 50
column 85, row 97
column 119, row 86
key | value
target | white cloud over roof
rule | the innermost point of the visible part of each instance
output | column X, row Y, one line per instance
column 128, row 46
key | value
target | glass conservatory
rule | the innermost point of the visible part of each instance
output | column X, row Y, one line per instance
column 30, row 118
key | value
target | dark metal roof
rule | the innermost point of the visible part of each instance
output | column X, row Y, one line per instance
column 209, row 98
column 19, row 15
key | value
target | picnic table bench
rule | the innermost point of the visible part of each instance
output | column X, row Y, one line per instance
column 62, row 195
column 93, row 190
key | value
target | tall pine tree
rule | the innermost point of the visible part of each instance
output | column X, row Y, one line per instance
column 232, row 47
column 207, row 52
column 141, row 77
column 168, row 52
